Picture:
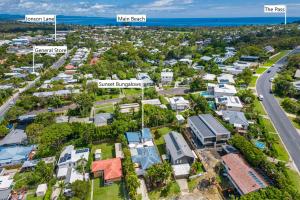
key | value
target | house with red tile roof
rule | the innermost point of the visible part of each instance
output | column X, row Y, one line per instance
column 244, row 178
column 94, row 61
column 110, row 169
column 70, row 67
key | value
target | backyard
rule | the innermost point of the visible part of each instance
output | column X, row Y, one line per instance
column 114, row 191
column 169, row 192
column 159, row 139
column 107, row 150
column 275, row 58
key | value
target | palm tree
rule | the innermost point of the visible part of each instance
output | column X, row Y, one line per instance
column 81, row 163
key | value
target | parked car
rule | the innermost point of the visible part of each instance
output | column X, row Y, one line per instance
column 260, row 97
column 269, row 71
column 271, row 79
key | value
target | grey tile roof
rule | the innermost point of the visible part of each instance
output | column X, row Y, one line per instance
column 235, row 117
column 208, row 125
column 213, row 124
column 16, row 136
column 177, row 146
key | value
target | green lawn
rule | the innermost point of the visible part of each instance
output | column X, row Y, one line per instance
column 192, row 183
column 109, row 108
column 274, row 59
column 253, row 81
column 282, row 154
column 261, row 70
column 21, row 180
column 108, row 150
column 132, row 92
column 169, row 192
column 269, row 126
column 33, row 197
column 111, row 192
column 295, row 124
column 295, row 178
column 159, row 139
column 259, row 107
column 105, row 97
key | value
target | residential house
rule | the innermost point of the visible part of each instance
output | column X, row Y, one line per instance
column 126, row 108
column 206, row 58
column 209, row 77
column 110, row 170
column 297, row 74
column 6, row 184
column 269, row 49
column 102, row 119
column 178, row 150
column 166, row 77
column 222, row 90
column 68, row 162
column 56, row 93
column 179, row 103
column 225, row 79
column 41, row 190
column 249, row 58
column 243, row 177
column 30, row 164
column 147, row 81
column 143, row 152
column 237, row 119
column 208, row 130
column 232, row 103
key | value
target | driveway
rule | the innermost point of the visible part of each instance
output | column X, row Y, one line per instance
column 183, row 184
column 143, row 189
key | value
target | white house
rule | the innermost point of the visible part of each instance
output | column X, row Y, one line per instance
column 179, row 103
column 166, row 77
column 41, row 190
column 68, row 161
column 225, row 79
column 232, row 103
column 224, row 90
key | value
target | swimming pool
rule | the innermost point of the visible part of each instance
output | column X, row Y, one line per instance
column 260, row 145
column 207, row 94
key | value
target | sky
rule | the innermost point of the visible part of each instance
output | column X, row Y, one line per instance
column 152, row 8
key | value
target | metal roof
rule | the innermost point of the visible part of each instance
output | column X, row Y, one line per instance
column 177, row 145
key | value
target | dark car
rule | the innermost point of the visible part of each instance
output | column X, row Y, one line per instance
column 268, row 71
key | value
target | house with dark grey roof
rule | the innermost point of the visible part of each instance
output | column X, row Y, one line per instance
column 178, row 150
column 208, row 130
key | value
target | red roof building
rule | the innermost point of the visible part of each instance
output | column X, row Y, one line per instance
column 244, row 178
column 70, row 67
column 94, row 61
column 110, row 169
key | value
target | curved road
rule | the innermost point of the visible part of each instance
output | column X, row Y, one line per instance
column 287, row 132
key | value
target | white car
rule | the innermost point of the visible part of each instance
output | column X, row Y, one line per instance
column 260, row 97
column 271, row 79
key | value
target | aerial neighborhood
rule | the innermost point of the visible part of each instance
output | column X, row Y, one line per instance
column 199, row 129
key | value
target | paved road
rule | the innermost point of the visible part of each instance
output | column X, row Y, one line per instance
column 175, row 91
column 12, row 100
column 288, row 133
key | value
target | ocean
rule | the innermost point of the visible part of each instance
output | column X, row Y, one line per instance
column 168, row 22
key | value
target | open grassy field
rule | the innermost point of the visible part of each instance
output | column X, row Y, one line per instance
column 259, row 107
column 295, row 179
column 109, row 108
column 159, row 139
column 169, row 192
column 253, row 81
column 261, row 70
column 274, row 59
column 269, row 126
